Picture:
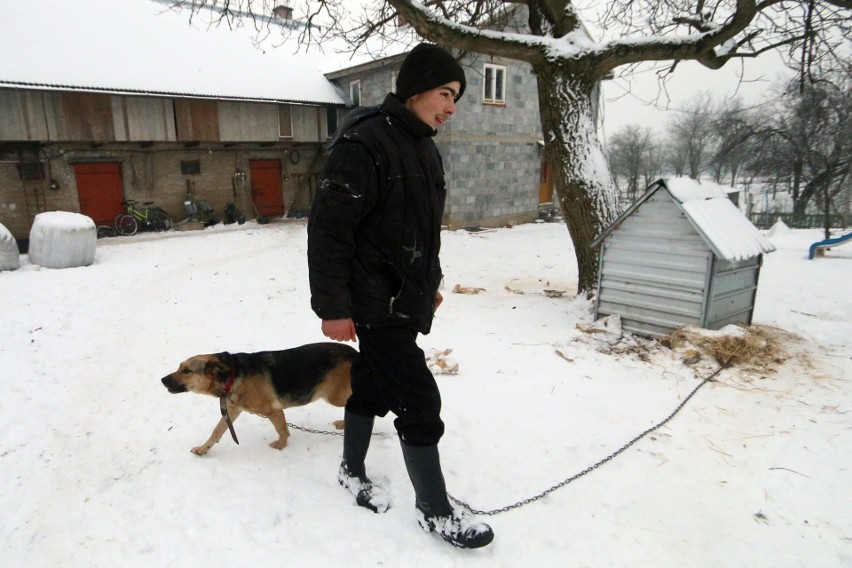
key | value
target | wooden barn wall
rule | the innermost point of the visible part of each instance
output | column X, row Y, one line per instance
column 48, row 116
column 23, row 115
column 248, row 122
column 306, row 123
column 88, row 117
column 655, row 270
column 197, row 120
column 144, row 119
column 150, row 137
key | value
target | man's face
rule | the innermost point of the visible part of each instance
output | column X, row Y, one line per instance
column 435, row 106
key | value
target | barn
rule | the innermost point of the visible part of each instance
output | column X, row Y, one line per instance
column 681, row 254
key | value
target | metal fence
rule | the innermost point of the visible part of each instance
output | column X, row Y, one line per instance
column 800, row 220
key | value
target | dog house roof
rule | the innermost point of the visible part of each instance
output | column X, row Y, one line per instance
column 724, row 228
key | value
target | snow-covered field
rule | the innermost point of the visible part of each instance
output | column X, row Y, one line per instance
column 95, row 467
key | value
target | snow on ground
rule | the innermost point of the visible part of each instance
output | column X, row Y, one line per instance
column 95, row 467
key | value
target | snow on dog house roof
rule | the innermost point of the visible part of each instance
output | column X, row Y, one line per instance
column 728, row 233
column 147, row 48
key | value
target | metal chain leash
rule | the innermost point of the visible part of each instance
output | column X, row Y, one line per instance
column 564, row 482
column 328, row 432
column 592, row 467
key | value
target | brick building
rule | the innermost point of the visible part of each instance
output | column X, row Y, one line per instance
column 105, row 101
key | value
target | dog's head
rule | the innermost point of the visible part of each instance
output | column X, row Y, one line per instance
column 203, row 374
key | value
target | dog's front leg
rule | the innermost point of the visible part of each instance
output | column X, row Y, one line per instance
column 280, row 423
column 218, row 431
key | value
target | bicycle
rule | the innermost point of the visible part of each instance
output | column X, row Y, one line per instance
column 151, row 217
column 105, row 231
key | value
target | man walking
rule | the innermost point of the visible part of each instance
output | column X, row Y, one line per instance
column 373, row 244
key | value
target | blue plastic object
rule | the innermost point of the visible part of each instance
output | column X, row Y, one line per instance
column 828, row 243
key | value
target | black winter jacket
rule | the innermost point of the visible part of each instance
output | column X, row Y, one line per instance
column 374, row 227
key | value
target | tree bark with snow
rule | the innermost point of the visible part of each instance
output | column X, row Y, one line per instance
column 567, row 62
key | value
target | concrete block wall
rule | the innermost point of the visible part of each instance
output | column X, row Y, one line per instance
column 491, row 184
column 491, row 152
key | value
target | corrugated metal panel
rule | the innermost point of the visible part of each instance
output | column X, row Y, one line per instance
column 654, row 270
column 728, row 231
column 646, row 299
column 733, row 290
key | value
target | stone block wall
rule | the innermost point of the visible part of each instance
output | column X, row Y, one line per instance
column 491, row 152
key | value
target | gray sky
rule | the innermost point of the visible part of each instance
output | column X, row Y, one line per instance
column 642, row 100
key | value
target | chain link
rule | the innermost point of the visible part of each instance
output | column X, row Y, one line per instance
column 592, row 467
column 564, row 482
column 328, row 432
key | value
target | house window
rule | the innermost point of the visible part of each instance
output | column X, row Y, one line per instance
column 355, row 92
column 331, row 120
column 190, row 167
column 31, row 170
column 285, row 122
column 494, row 86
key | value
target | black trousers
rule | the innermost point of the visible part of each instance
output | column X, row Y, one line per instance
column 391, row 376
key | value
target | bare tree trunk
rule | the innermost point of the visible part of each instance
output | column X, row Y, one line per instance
column 585, row 189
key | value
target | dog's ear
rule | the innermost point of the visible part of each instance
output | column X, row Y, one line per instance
column 219, row 367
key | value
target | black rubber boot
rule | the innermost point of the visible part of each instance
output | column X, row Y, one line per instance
column 357, row 431
column 434, row 511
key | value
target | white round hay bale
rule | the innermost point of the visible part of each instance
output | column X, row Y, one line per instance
column 61, row 239
column 9, row 256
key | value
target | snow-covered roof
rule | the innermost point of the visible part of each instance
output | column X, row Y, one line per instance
column 728, row 232
column 143, row 47
column 723, row 227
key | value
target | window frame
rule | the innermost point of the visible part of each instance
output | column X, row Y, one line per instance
column 493, row 83
column 285, row 118
column 355, row 87
column 190, row 167
column 331, row 121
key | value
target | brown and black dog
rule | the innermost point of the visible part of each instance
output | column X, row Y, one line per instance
column 267, row 382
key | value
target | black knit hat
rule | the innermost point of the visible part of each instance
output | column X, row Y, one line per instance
column 425, row 67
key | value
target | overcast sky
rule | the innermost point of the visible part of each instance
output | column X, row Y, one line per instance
column 641, row 100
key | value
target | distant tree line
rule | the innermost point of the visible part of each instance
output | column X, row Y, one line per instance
column 798, row 141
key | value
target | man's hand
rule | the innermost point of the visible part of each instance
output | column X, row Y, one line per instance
column 339, row 330
column 438, row 300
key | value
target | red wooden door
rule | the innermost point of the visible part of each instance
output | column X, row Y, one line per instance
column 100, row 191
column 266, row 190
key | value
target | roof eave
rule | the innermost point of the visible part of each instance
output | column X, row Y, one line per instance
column 153, row 93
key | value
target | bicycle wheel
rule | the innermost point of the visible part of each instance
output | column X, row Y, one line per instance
column 126, row 225
column 160, row 220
